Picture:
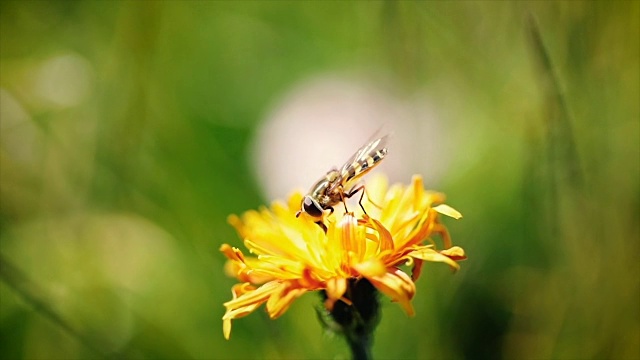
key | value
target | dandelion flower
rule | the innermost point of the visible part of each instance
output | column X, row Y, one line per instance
column 293, row 256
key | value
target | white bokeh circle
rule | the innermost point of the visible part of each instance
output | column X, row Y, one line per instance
column 322, row 121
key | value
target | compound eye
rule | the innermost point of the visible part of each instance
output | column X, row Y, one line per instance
column 311, row 207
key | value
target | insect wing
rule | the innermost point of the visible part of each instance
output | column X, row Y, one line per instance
column 365, row 159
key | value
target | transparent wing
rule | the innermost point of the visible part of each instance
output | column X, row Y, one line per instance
column 365, row 159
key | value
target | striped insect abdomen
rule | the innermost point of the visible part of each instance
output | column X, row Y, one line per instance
column 361, row 166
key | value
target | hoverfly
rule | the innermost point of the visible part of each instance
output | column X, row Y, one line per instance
column 337, row 185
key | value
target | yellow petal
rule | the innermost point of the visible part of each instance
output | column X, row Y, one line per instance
column 455, row 252
column 247, row 299
column 294, row 202
column 418, row 191
column 371, row 268
column 416, row 270
column 336, row 287
column 398, row 286
column 351, row 242
column 429, row 254
column 252, row 295
column 235, row 221
column 445, row 209
column 385, row 239
column 226, row 328
column 376, row 191
column 280, row 300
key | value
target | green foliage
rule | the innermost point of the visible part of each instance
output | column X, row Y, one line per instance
column 124, row 144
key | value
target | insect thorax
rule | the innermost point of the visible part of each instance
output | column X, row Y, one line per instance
column 320, row 189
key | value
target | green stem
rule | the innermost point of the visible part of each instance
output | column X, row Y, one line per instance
column 360, row 346
column 357, row 321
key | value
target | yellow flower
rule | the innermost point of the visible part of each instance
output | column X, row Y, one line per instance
column 295, row 255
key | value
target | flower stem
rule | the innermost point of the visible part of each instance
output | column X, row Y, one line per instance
column 360, row 347
column 357, row 321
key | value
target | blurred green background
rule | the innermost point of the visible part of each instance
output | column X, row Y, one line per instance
column 124, row 144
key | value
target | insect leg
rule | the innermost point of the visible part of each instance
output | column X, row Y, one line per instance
column 321, row 222
column 371, row 201
column 322, row 225
column 342, row 196
column 354, row 191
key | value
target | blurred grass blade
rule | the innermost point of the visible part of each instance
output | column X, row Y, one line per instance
column 35, row 296
column 149, row 339
column 562, row 145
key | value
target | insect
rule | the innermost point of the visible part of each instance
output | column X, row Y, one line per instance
column 337, row 185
